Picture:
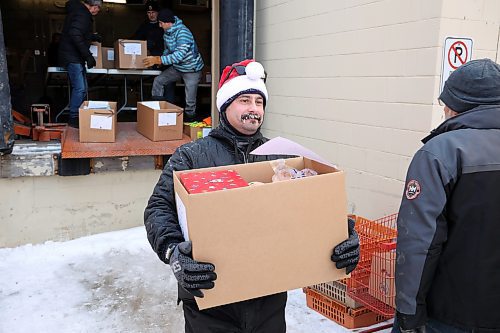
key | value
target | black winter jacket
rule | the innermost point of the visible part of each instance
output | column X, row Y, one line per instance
column 222, row 147
column 153, row 34
column 76, row 34
column 448, row 262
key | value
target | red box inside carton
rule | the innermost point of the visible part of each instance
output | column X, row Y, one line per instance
column 209, row 181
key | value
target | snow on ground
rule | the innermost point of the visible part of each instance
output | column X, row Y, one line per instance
column 111, row 282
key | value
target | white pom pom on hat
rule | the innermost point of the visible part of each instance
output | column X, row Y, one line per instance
column 254, row 70
column 232, row 84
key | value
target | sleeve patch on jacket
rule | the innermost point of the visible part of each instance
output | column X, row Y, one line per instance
column 412, row 189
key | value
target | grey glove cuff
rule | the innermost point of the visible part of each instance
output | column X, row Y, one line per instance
column 169, row 252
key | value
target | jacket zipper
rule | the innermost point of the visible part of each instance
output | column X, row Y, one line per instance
column 243, row 153
column 245, row 158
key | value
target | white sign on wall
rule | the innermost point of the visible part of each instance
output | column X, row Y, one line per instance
column 457, row 51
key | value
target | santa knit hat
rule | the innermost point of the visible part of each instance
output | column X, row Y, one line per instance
column 245, row 77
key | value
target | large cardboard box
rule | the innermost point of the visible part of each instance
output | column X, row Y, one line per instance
column 97, row 121
column 108, row 57
column 382, row 277
column 95, row 49
column 159, row 120
column 268, row 238
column 129, row 53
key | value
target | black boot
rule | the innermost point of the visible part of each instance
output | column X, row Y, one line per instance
column 189, row 117
column 73, row 122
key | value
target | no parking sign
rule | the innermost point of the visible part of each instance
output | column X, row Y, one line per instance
column 457, row 51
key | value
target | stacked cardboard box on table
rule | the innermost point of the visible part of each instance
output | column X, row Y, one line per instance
column 129, row 53
column 108, row 57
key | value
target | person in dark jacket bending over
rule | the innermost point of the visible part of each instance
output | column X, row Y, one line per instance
column 74, row 50
column 448, row 262
column 181, row 52
column 241, row 101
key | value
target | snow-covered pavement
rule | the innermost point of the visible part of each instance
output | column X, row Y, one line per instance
column 111, row 282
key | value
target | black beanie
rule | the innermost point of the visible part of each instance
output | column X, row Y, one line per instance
column 165, row 15
column 152, row 6
column 94, row 2
column 473, row 84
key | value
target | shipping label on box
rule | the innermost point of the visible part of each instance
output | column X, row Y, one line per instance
column 129, row 54
column 381, row 284
column 97, row 121
column 167, row 119
column 108, row 57
column 95, row 49
column 159, row 120
column 104, row 122
column 285, row 231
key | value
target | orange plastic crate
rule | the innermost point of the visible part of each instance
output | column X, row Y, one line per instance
column 341, row 314
column 337, row 290
column 372, row 282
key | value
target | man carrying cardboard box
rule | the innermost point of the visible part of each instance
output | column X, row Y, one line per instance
column 447, row 257
column 241, row 101
column 74, row 50
column 181, row 52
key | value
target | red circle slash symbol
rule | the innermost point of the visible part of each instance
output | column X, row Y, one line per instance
column 458, row 49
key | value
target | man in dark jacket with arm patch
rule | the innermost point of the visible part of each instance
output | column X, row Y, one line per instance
column 241, row 101
column 448, row 262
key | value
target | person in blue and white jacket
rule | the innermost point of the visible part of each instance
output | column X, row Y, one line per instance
column 181, row 52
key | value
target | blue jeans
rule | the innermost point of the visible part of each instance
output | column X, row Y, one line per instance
column 434, row 326
column 78, row 82
column 190, row 79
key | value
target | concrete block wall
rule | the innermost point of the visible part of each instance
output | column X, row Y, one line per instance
column 358, row 81
column 476, row 19
column 62, row 208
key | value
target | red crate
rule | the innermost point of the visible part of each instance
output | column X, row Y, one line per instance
column 341, row 314
column 372, row 282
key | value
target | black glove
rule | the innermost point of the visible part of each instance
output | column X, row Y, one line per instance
column 95, row 37
column 412, row 323
column 413, row 330
column 346, row 254
column 90, row 62
column 191, row 274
